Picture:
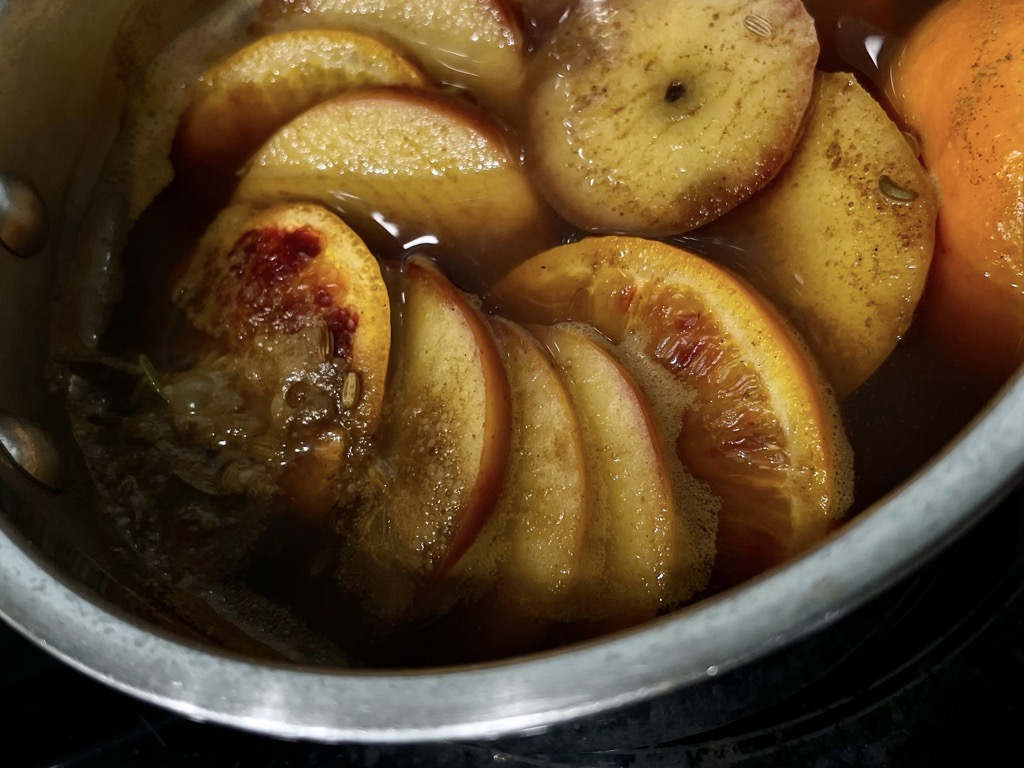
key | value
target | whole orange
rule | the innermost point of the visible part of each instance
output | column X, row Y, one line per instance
column 959, row 84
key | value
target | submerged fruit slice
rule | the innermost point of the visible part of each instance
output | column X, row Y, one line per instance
column 521, row 571
column 532, row 543
column 476, row 45
column 654, row 117
column 297, row 327
column 753, row 418
column 239, row 103
column 444, row 452
column 637, row 548
column 260, row 278
column 842, row 239
column 190, row 38
column 425, row 167
column 540, row 18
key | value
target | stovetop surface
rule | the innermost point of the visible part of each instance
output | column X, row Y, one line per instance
column 933, row 681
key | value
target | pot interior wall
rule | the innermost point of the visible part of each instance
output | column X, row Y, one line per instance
column 51, row 69
column 61, row 99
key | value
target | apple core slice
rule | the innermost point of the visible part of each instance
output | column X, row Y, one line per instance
column 444, row 450
column 743, row 401
column 651, row 117
column 429, row 169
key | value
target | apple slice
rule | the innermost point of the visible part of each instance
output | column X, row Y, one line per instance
column 842, row 240
column 239, row 103
column 530, row 547
column 427, row 166
column 654, row 117
column 297, row 326
column 501, row 596
column 160, row 52
column 263, row 279
column 477, row 45
column 637, row 557
column 445, row 449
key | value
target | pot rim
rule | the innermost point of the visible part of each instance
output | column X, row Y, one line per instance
column 517, row 696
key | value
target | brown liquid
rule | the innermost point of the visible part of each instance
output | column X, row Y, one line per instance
column 201, row 534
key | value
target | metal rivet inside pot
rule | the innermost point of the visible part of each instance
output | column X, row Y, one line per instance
column 31, row 450
column 23, row 220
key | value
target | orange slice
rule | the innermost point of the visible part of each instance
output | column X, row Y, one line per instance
column 258, row 278
column 743, row 401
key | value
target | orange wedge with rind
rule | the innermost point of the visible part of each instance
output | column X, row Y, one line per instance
column 743, row 402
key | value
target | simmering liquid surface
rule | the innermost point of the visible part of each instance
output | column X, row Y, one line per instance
column 188, row 516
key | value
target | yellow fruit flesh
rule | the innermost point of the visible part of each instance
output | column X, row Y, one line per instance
column 519, row 575
column 842, row 239
column 297, row 326
column 652, row 117
column 270, row 274
column 477, row 46
column 637, row 549
column 444, row 450
column 240, row 102
column 424, row 167
column 532, row 543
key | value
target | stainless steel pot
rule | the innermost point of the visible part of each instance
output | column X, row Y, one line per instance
column 63, row 585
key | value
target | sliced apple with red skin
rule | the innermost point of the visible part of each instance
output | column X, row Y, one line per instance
column 426, row 164
column 529, row 550
column 239, row 103
column 297, row 318
column 540, row 17
column 162, row 50
column 635, row 551
column 444, row 452
column 544, row 505
column 477, row 46
column 735, row 389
